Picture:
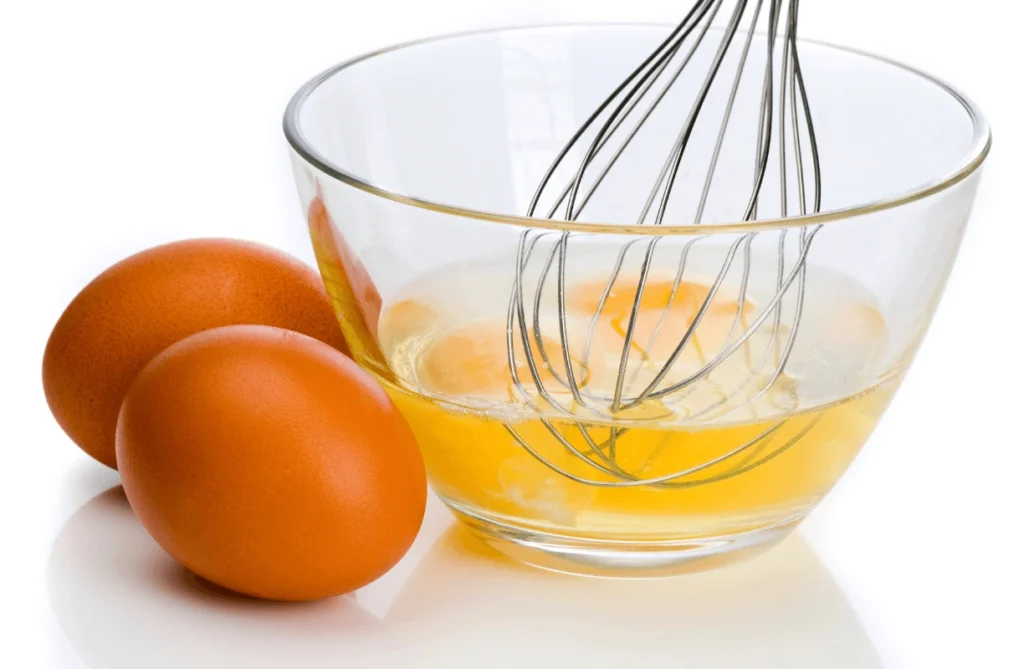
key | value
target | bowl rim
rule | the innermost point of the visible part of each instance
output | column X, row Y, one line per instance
column 972, row 160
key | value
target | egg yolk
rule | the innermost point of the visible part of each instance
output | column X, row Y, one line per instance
column 473, row 360
column 665, row 313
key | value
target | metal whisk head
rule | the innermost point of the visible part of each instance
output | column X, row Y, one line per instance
column 552, row 359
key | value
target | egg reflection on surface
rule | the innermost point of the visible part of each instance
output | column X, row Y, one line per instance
column 124, row 604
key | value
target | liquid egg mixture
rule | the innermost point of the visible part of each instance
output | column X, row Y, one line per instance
column 740, row 447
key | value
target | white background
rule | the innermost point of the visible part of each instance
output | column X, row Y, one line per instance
column 123, row 125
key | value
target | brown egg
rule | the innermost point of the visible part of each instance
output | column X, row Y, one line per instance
column 270, row 464
column 145, row 303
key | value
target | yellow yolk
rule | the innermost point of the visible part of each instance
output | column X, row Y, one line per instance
column 662, row 320
column 473, row 360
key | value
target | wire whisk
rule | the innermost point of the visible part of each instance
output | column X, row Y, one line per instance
column 559, row 377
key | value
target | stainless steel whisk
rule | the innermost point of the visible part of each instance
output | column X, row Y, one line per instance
column 606, row 135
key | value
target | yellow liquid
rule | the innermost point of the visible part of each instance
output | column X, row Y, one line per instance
column 754, row 460
column 476, row 463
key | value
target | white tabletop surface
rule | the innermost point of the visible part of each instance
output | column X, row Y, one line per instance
column 126, row 124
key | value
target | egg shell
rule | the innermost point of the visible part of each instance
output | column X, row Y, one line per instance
column 270, row 464
column 148, row 301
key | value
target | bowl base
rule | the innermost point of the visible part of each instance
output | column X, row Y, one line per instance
column 620, row 559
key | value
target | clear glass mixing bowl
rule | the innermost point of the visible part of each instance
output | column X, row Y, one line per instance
column 415, row 166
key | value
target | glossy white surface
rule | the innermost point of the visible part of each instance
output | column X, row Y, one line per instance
column 450, row 603
column 128, row 124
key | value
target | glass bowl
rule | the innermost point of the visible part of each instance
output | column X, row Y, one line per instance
column 503, row 338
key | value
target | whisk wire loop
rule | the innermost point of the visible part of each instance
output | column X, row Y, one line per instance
column 561, row 386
